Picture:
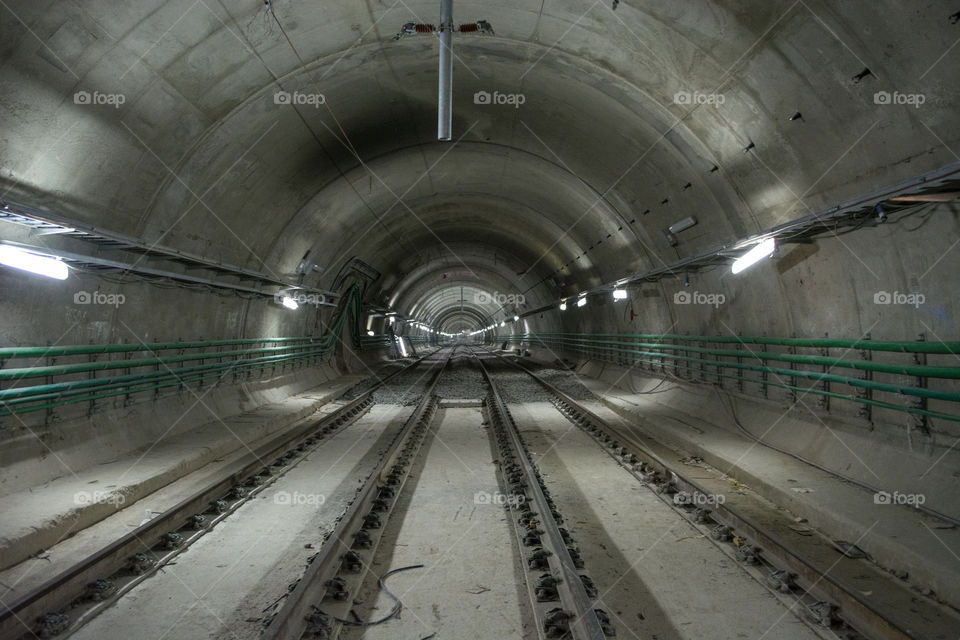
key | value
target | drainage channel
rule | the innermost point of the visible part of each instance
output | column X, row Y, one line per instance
column 834, row 587
column 319, row 603
column 560, row 590
column 66, row 602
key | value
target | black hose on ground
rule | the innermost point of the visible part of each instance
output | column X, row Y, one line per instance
column 383, row 587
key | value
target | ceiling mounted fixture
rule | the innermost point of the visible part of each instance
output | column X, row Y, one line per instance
column 755, row 255
column 682, row 225
column 37, row 263
column 445, row 85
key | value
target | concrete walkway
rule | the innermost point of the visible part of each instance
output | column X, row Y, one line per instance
column 471, row 583
column 898, row 537
column 656, row 574
column 223, row 586
column 42, row 517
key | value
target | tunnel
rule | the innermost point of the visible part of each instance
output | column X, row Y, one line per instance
column 459, row 319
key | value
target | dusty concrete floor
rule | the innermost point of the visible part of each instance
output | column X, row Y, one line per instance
column 898, row 537
column 655, row 572
column 471, row 583
column 21, row 578
column 197, row 596
column 47, row 515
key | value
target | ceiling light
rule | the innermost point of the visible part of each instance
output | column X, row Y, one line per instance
column 33, row 262
column 759, row 252
column 370, row 333
column 515, row 318
column 288, row 302
column 619, row 294
column 563, row 306
column 582, row 302
column 682, row 225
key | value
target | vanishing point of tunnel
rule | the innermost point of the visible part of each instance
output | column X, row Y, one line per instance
column 456, row 320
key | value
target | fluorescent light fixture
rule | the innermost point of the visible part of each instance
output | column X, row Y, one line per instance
column 682, row 225
column 370, row 333
column 619, row 294
column 582, row 302
column 563, row 306
column 515, row 318
column 288, row 302
column 33, row 262
column 55, row 231
column 758, row 253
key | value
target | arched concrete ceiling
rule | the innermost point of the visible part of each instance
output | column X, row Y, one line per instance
column 569, row 189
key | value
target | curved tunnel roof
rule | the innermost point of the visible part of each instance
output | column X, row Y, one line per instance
column 743, row 114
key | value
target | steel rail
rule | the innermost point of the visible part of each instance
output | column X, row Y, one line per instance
column 585, row 625
column 60, row 591
column 293, row 619
column 868, row 599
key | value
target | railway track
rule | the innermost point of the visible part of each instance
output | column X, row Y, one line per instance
column 833, row 586
column 64, row 603
column 408, row 491
column 557, row 584
column 563, row 599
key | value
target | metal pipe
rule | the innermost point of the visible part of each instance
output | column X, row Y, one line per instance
column 109, row 365
column 901, row 346
column 74, row 350
column 445, row 97
column 12, row 399
column 926, row 371
column 660, row 356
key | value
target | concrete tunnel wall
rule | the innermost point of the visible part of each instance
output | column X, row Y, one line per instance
column 569, row 190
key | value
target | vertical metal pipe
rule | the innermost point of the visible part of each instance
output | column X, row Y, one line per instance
column 445, row 98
